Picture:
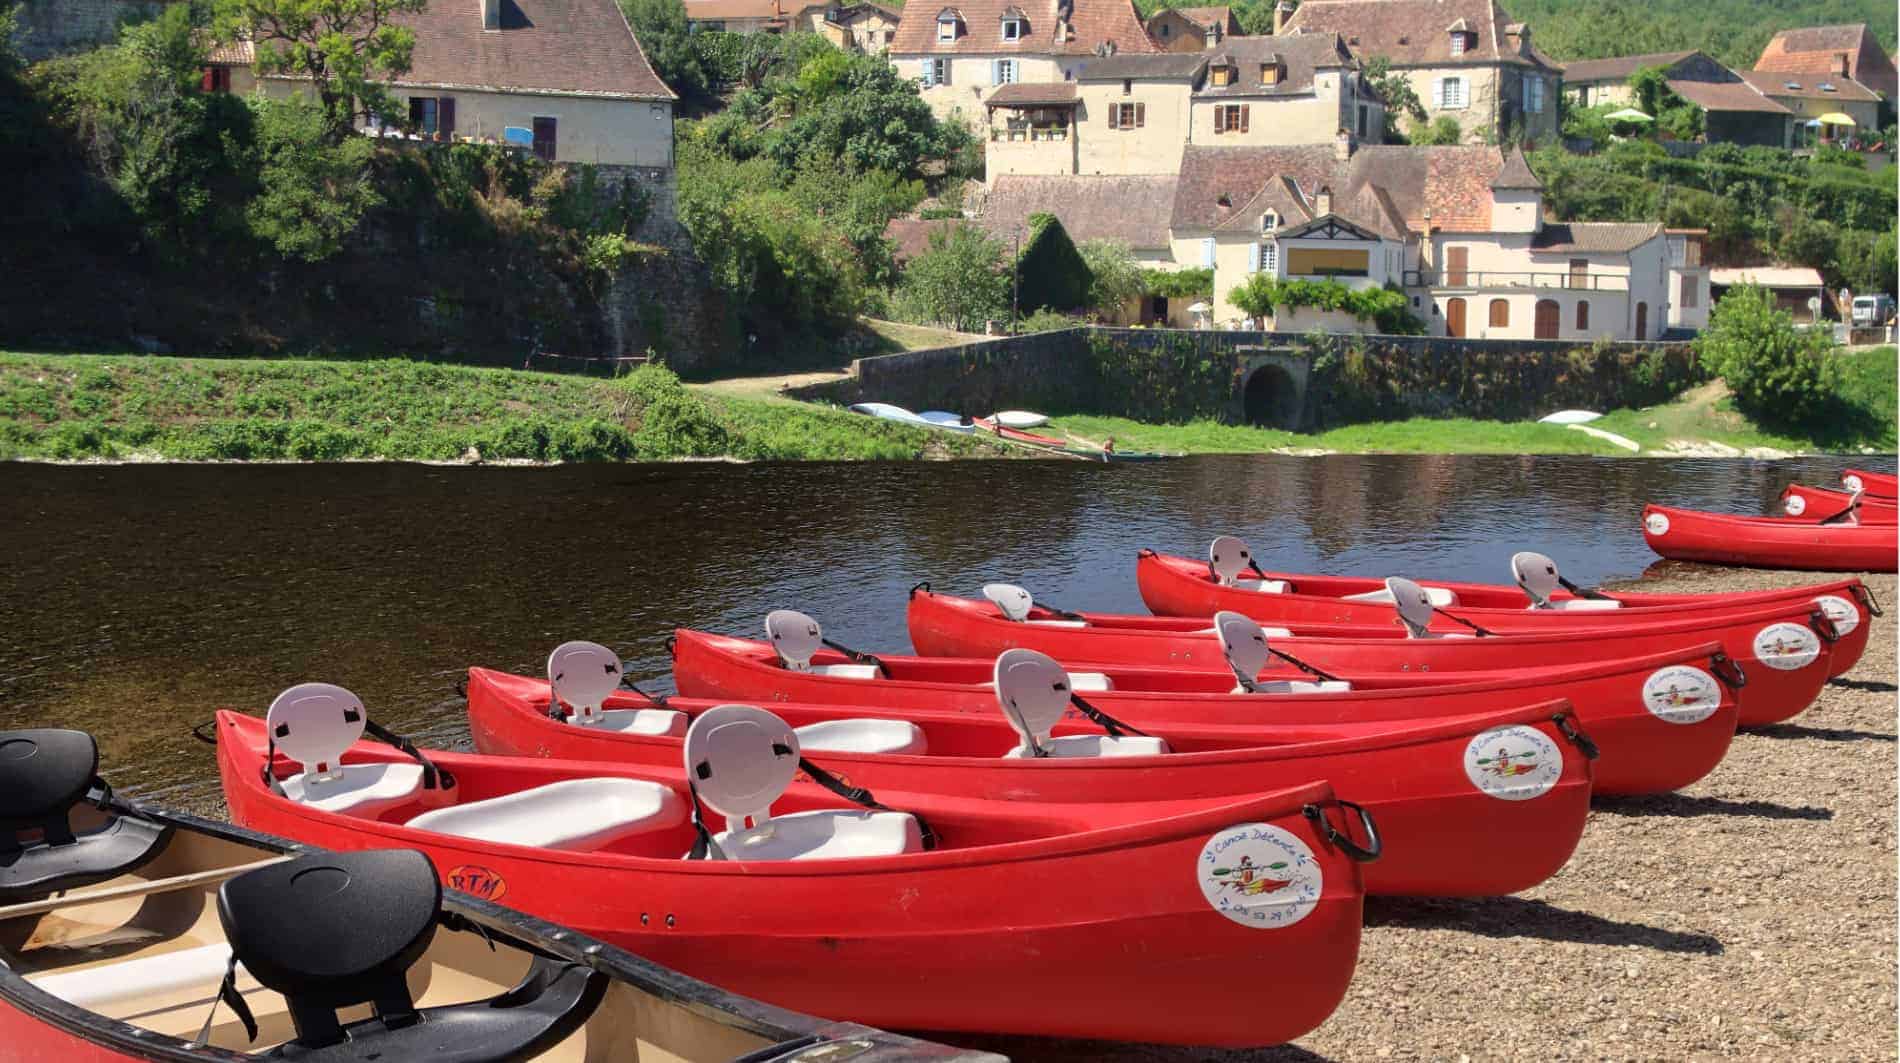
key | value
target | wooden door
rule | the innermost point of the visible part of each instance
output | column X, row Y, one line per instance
column 1455, row 318
column 1642, row 321
column 544, row 146
column 1547, row 318
column 1579, row 273
column 1457, row 261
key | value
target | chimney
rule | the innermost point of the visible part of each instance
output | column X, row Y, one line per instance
column 1342, row 145
column 1323, row 201
column 1281, row 12
column 491, row 14
column 1843, row 71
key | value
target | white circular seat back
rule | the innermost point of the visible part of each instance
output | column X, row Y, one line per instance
column 795, row 636
column 732, row 762
column 1413, row 603
column 584, row 674
column 1014, row 601
column 1244, row 644
column 1033, row 691
column 1228, row 556
column 313, row 723
column 1537, row 575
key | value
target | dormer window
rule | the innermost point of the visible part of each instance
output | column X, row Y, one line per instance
column 1794, row 86
column 1457, row 44
column 1272, row 72
column 1015, row 25
column 1269, row 222
column 1826, row 86
column 947, row 21
column 1221, row 76
column 1462, row 39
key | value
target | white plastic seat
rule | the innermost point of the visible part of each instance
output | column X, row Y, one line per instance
column 843, row 671
column 863, row 736
column 1270, row 632
column 1228, row 556
column 1034, row 693
column 1298, row 686
column 1414, row 605
column 796, row 638
column 741, row 759
column 1262, row 586
column 653, row 723
column 1581, row 605
column 1058, row 623
column 313, row 724
column 1439, row 596
column 105, row 987
column 1090, row 682
column 575, row 815
column 1537, row 576
column 582, row 675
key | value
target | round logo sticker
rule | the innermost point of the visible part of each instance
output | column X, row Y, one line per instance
column 1846, row 618
column 1795, row 505
column 1513, row 763
column 1852, row 482
column 477, row 880
column 1259, row 875
column 1681, row 694
column 1787, row 646
column 1657, row 523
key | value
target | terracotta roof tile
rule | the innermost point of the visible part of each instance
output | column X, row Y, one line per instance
column 1817, row 50
column 1132, row 210
column 1302, row 54
column 1618, row 69
column 1516, row 174
column 1211, row 16
column 910, row 237
column 1387, row 187
column 1808, row 86
column 1414, row 32
column 236, row 53
column 1144, row 65
column 1092, row 23
column 1606, row 237
column 1726, row 96
column 559, row 47
column 1033, row 94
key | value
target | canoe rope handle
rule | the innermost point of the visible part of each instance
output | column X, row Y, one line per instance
column 1728, row 670
column 1823, row 625
column 920, row 585
column 1304, row 667
column 206, row 732
column 1583, row 592
column 1567, row 723
column 1114, row 727
column 1866, row 596
column 858, row 656
column 1364, row 854
column 1461, row 620
column 672, row 643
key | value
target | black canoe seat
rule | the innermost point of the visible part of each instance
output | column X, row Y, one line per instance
column 336, row 930
column 44, row 775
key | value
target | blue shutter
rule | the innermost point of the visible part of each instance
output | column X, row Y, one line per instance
column 1207, row 253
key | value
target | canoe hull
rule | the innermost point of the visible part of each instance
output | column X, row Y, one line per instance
column 1810, row 503
column 1770, row 542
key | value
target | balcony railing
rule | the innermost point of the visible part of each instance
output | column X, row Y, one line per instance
column 1031, row 135
column 1473, row 278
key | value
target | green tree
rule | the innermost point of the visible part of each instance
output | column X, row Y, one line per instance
column 1674, row 115
column 346, row 50
column 1049, row 270
column 958, row 281
column 1401, row 100
column 1115, row 277
column 660, row 26
column 1444, row 130
column 1778, row 375
column 312, row 192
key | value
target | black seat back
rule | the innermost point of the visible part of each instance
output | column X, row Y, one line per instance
column 45, row 774
column 334, row 930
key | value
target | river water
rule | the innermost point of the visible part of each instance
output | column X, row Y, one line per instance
column 138, row 598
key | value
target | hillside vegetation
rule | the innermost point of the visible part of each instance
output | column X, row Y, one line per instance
column 1733, row 31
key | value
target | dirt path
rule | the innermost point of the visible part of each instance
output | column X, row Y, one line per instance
column 1751, row 916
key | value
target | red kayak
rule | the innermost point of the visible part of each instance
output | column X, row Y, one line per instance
column 1649, row 743
column 1875, row 484
column 1222, row 922
column 1770, row 542
column 1018, row 435
column 1783, row 649
column 1820, row 503
column 1179, row 586
column 1439, row 821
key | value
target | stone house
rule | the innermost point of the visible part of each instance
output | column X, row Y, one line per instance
column 1733, row 111
column 859, row 27
column 1460, row 230
column 1296, row 89
column 1192, row 29
column 1836, row 51
column 743, row 16
column 1823, row 107
column 1462, row 58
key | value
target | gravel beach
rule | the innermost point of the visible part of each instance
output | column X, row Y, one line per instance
column 1749, row 916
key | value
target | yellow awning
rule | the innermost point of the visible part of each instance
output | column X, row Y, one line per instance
column 1835, row 118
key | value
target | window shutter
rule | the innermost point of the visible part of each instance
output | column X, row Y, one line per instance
column 205, row 82
column 1114, row 116
column 1270, row 258
column 1220, row 119
column 996, row 71
column 1438, row 93
column 445, row 115
column 924, row 76
column 1244, row 109
column 1141, row 115
column 1253, row 259
column 1207, row 253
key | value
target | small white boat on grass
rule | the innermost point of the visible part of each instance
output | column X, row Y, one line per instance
column 928, row 419
column 1569, row 417
column 1019, row 419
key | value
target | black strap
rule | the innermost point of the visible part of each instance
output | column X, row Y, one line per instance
column 1728, row 670
column 1823, row 625
column 1364, row 854
column 1303, row 666
column 1843, row 515
column 1059, row 611
column 1583, row 592
column 920, row 585
column 270, row 761
column 433, row 778
column 703, row 845
column 1566, row 722
column 857, row 657
column 206, row 732
column 229, row 995
column 1461, row 620
column 1254, row 566
column 1866, row 596
column 1114, row 727
column 857, row 795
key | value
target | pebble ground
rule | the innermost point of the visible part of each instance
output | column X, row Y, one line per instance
column 1750, row 916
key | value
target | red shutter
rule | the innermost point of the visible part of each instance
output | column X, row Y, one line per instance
column 1141, row 115
column 205, row 83
column 1114, row 115
column 1244, row 111
column 1220, row 119
column 445, row 115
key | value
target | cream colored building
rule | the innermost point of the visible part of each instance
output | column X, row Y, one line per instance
column 1299, row 89
column 1192, row 29
column 861, row 27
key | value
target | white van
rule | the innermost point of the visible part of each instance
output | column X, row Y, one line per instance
column 1872, row 309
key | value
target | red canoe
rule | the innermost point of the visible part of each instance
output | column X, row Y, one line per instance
column 1179, row 586
column 1820, row 503
column 1876, row 484
column 1770, row 542
column 1224, row 922
column 1780, row 684
column 1439, row 824
column 1648, row 745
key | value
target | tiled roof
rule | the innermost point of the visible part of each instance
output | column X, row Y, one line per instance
column 1219, row 185
column 738, row 10
column 1415, row 32
column 236, row 53
column 1603, row 237
column 1619, row 69
column 910, row 237
column 1092, row 23
column 1034, row 94
column 556, row 47
column 1768, row 276
column 1726, row 96
column 1817, row 50
column 1132, row 210
column 1211, row 16
column 1302, row 53
column 1516, row 174
column 1146, row 65
column 1808, row 86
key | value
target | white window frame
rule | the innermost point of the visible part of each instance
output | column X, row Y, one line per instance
column 1534, row 95
column 946, row 29
column 937, row 71
column 1269, row 222
column 1458, row 44
column 1012, row 29
column 1004, row 72
column 1448, row 100
column 1269, row 258
column 1207, row 252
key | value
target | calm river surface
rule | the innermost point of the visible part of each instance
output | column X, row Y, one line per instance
column 138, row 598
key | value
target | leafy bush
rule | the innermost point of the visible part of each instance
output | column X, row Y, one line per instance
column 957, row 281
column 313, row 193
column 1050, row 272
column 1779, row 376
column 1048, row 321
column 1387, row 308
column 1115, row 278
column 1179, row 283
column 674, row 422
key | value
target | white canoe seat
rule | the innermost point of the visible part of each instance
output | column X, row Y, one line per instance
column 1090, row 682
column 1297, row 686
column 844, row 671
column 1270, row 632
column 1439, row 596
column 107, row 987
column 1263, row 586
column 576, row 815
column 742, row 758
column 1094, row 746
column 797, row 638
column 1058, row 623
column 651, row 722
column 313, row 724
column 863, row 736
column 1580, row 605
column 1538, row 577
